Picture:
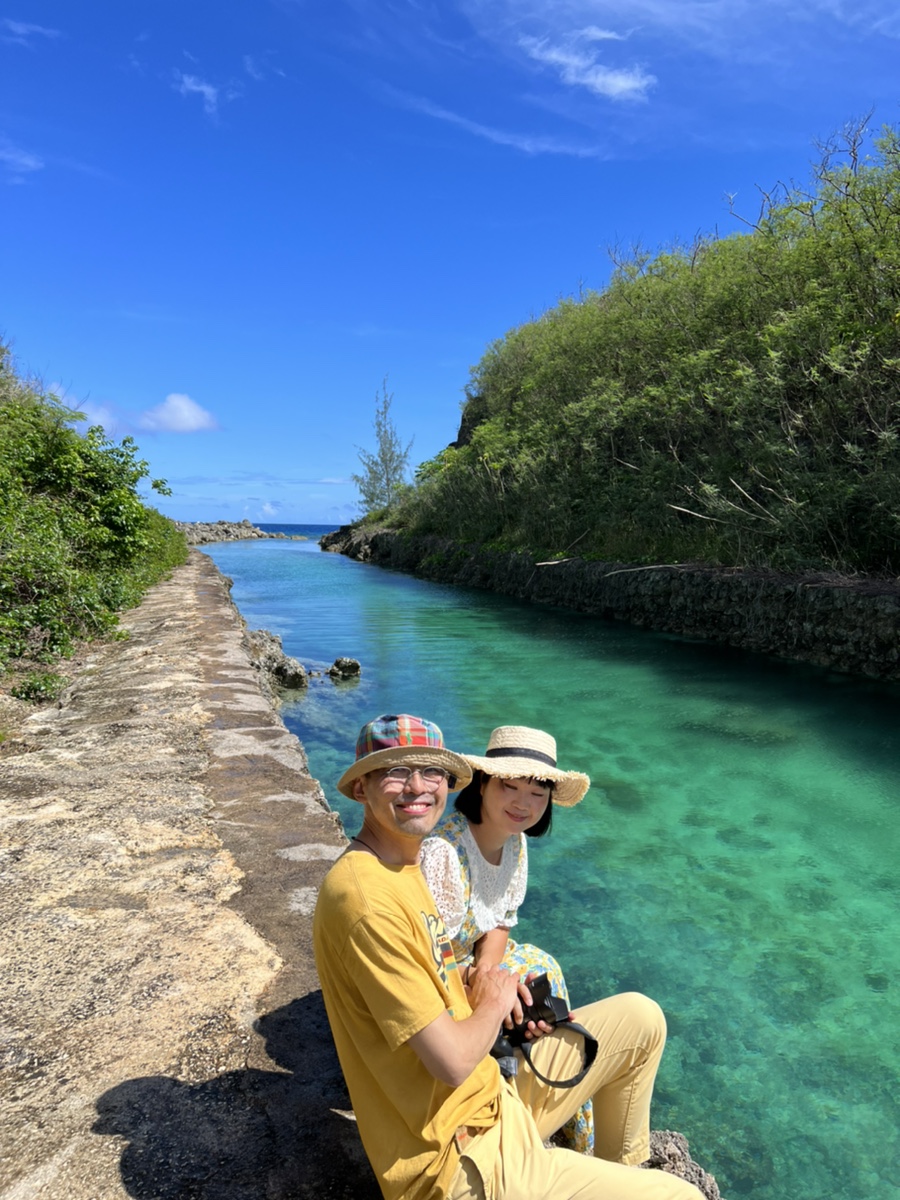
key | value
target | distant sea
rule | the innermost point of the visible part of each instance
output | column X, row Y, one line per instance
column 313, row 532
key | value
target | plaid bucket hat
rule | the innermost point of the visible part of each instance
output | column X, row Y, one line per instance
column 402, row 741
column 517, row 752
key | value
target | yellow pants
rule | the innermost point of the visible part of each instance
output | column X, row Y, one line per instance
column 510, row 1162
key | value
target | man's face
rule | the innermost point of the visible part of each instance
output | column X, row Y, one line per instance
column 401, row 813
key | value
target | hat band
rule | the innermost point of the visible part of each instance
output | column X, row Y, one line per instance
column 513, row 752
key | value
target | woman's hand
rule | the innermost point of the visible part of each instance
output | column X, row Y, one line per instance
column 534, row 1029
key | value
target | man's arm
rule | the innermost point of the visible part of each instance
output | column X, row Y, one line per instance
column 451, row 1050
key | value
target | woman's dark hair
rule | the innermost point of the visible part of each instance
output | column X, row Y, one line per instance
column 468, row 802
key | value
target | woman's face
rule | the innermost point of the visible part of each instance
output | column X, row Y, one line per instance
column 512, row 805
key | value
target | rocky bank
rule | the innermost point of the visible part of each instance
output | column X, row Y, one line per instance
column 199, row 533
column 162, row 844
column 850, row 624
column 163, row 1035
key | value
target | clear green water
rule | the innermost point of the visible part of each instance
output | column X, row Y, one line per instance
column 736, row 858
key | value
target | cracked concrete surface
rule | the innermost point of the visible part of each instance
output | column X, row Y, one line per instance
column 162, row 1033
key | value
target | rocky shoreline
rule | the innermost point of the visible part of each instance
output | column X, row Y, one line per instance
column 848, row 624
column 163, row 844
column 199, row 533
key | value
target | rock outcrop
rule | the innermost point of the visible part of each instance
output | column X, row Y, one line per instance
column 198, row 533
column 278, row 671
column 344, row 668
column 849, row 624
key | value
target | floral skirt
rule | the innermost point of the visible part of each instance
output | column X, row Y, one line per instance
column 578, row 1131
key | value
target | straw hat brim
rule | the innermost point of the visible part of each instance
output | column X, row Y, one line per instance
column 402, row 756
column 569, row 786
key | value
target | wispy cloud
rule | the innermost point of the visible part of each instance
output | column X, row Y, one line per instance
column 527, row 143
column 212, row 95
column 580, row 68
column 192, row 85
column 250, row 478
column 18, row 164
column 727, row 29
column 177, row 414
column 24, row 34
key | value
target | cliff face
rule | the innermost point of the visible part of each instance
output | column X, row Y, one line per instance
column 848, row 624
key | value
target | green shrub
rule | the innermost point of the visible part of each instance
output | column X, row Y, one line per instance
column 734, row 402
column 39, row 687
column 77, row 543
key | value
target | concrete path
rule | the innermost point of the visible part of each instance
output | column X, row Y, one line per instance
column 162, row 1035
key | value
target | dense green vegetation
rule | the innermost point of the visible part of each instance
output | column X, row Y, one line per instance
column 734, row 402
column 76, row 541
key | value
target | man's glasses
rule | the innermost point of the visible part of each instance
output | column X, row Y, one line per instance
column 399, row 777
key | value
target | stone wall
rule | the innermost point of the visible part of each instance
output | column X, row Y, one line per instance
column 849, row 624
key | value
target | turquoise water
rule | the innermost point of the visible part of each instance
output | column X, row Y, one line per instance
column 736, row 857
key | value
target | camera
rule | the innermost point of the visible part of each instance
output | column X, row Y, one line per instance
column 544, row 1006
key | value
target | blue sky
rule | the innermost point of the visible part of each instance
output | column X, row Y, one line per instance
column 225, row 224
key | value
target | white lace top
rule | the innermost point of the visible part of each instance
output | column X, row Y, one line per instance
column 468, row 890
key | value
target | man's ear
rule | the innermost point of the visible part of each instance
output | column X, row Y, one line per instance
column 359, row 789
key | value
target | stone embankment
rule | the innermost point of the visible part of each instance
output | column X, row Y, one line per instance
column 163, row 1033
column 848, row 624
column 199, row 533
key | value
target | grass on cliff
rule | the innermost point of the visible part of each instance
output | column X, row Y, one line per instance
column 734, row 402
column 77, row 542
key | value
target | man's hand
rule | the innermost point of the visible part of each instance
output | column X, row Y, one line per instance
column 494, row 986
column 451, row 1050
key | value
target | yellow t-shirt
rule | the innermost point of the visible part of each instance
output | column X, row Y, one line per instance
column 387, row 970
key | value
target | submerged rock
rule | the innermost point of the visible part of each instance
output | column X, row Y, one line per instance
column 345, row 668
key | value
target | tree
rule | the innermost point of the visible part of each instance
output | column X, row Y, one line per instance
column 384, row 472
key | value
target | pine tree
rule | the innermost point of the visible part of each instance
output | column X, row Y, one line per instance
column 384, row 472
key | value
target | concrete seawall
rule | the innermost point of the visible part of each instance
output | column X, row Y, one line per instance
column 162, row 841
column 850, row 624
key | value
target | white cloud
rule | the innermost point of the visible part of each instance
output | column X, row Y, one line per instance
column 578, row 68
column 593, row 34
column 18, row 163
column 252, row 68
column 188, row 85
column 177, row 414
column 21, row 31
column 527, row 143
column 99, row 414
column 269, row 509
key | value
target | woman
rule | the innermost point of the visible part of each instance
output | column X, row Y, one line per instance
column 477, row 864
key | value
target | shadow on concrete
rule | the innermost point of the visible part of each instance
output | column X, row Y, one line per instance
column 253, row 1134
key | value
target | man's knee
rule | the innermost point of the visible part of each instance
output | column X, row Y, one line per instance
column 628, row 1015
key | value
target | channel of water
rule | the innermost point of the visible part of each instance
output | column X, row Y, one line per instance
column 736, row 858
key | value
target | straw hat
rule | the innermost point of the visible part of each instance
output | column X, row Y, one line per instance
column 517, row 752
column 402, row 741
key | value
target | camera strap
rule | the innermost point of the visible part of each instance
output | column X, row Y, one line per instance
column 590, row 1054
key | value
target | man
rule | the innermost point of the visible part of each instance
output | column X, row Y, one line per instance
column 437, row 1120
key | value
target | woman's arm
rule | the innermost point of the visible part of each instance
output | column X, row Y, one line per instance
column 488, row 952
